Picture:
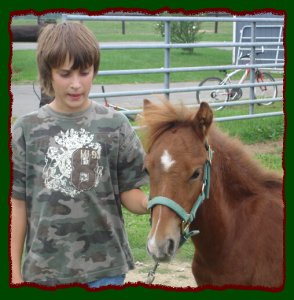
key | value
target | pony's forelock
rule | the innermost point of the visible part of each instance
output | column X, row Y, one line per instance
column 157, row 118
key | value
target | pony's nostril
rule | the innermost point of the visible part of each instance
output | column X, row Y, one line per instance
column 170, row 247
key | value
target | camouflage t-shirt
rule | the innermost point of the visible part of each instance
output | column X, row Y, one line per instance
column 70, row 170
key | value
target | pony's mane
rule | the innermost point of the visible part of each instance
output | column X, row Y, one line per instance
column 160, row 117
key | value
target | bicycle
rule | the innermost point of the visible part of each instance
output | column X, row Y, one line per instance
column 229, row 94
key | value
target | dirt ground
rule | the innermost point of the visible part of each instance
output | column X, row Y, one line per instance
column 177, row 273
column 268, row 147
column 173, row 274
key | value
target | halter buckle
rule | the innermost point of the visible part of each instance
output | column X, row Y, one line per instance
column 203, row 186
column 210, row 153
column 185, row 226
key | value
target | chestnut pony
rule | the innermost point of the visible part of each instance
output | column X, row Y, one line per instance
column 202, row 179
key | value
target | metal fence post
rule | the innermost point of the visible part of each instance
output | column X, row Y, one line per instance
column 63, row 17
column 167, row 40
column 252, row 71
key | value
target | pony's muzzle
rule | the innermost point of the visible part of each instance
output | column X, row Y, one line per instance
column 163, row 251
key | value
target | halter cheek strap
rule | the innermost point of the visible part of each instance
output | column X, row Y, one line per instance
column 187, row 218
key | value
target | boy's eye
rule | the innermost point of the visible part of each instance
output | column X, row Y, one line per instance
column 64, row 74
column 85, row 72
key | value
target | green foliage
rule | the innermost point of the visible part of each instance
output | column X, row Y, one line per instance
column 182, row 32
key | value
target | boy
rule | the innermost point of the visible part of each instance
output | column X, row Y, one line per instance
column 74, row 163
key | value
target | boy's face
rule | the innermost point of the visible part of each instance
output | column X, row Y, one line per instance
column 71, row 88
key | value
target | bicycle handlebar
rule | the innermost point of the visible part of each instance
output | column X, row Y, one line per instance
column 249, row 54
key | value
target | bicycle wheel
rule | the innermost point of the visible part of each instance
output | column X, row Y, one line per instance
column 267, row 91
column 212, row 96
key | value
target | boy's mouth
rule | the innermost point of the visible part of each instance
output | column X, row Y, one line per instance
column 75, row 96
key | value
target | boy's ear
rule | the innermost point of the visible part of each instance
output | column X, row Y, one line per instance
column 203, row 120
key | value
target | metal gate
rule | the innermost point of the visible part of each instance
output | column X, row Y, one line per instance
column 250, row 43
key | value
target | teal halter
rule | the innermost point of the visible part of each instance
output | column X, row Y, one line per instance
column 187, row 218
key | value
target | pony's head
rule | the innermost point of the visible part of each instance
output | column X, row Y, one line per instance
column 176, row 159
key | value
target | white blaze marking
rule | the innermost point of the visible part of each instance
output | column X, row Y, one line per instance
column 152, row 245
column 166, row 160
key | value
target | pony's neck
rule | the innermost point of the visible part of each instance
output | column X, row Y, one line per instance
column 236, row 181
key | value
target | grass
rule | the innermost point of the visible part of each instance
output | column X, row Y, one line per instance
column 24, row 62
column 24, row 68
column 257, row 131
column 273, row 161
column 146, row 31
column 110, row 31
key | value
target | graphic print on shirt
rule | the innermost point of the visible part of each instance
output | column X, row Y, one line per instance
column 72, row 166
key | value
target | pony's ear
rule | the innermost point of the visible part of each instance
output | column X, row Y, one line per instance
column 147, row 104
column 203, row 119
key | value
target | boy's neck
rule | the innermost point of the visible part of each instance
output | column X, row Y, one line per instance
column 66, row 109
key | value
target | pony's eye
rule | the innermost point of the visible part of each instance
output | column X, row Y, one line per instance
column 195, row 175
column 146, row 171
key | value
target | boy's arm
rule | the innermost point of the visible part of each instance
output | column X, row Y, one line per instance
column 18, row 233
column 135, row 201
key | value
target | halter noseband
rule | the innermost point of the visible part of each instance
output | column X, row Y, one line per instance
column 187, row 218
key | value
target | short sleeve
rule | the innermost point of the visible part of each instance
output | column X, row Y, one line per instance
column 131, row 172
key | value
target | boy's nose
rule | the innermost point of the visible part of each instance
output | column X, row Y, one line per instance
column 75, row 83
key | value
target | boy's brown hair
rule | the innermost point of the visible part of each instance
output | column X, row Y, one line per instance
column 56, row 41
